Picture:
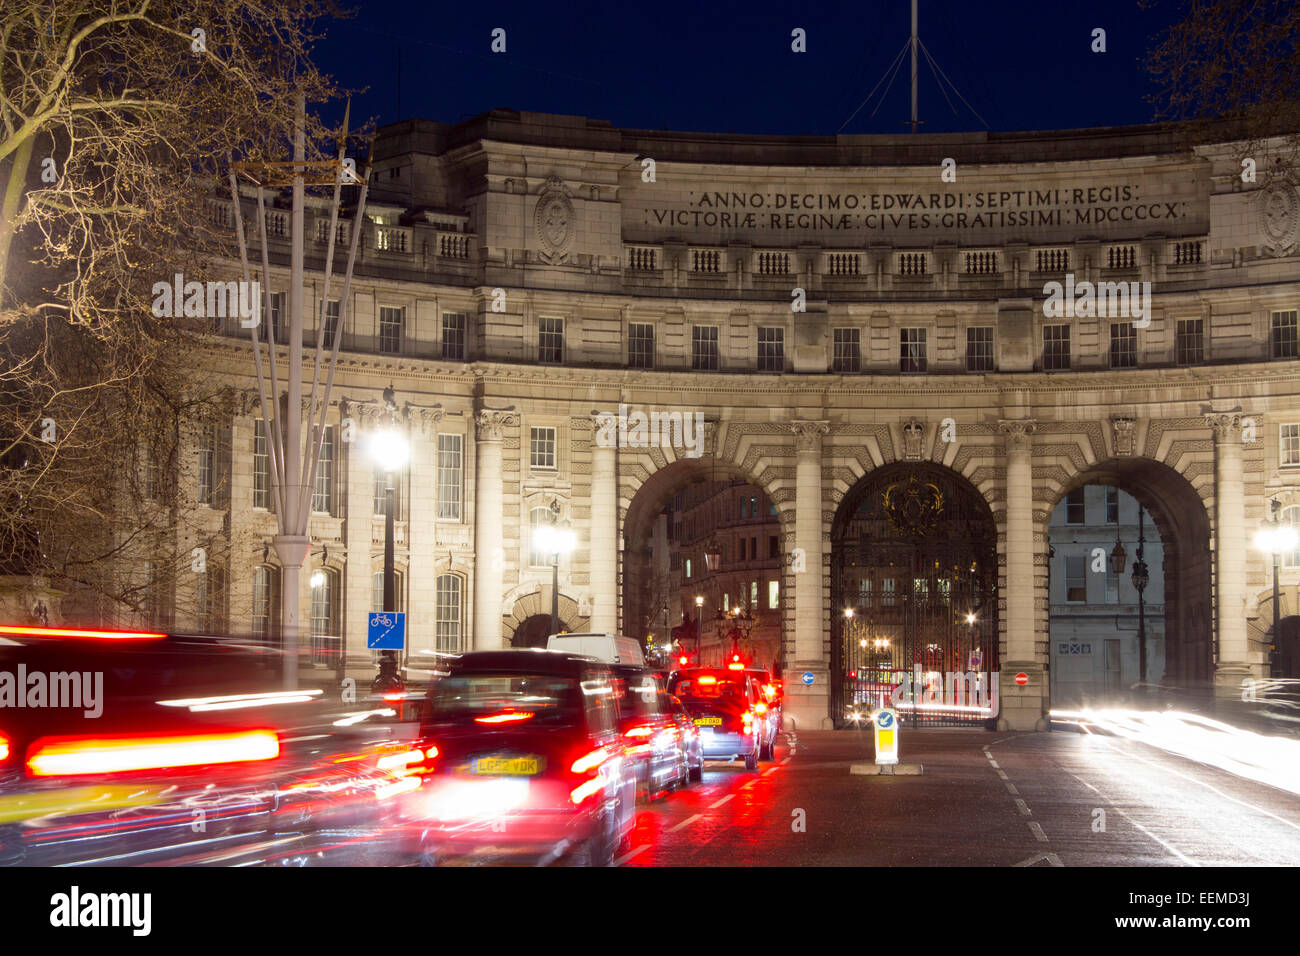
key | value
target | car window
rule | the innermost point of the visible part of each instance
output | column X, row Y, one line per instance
column 711, row 687
column 503, row 698
column 598, row 699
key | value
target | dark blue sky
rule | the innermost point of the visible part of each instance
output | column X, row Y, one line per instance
column 726, row 65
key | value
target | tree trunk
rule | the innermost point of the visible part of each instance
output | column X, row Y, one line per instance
column 14, row 200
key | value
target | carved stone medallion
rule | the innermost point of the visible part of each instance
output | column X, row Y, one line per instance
column 1279, row 217
column 554, row 219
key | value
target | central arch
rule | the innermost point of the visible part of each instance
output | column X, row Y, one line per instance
column 914, row 559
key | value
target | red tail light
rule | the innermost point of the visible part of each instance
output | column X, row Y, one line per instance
column 760, row 708
column 67, row 757
column 588, row 762
column 510, row 717
column 736, row 667
column 682, row 660
column 640, row 732
column 92, row 634
column 748, row 718
column 4, row 747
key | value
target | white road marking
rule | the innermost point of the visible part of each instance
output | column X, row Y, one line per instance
column 685, row 823
column 1002, row 774
column 1023, row 808
column 722, row 801
column 1051, row 858
column 1168, row 846
column 1038, row 832
column 1011, row 788
column 627, row 856
column 770, row 770
column 786, row 760
column 993, row 763
column 748, row 785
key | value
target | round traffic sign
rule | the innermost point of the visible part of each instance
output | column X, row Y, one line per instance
column 1022, row 678
column 885, row 719
column 808, row 677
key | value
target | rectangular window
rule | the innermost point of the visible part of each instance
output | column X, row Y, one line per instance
column 390, row 330
column 450, row 477
column 1056, row 347
column 773, row 594
column 262, row 602
column 911, row 350
column 1123, row 345
column 979, row 349
column 688, row 567
column 330, row 322
column 261, row 466
column 773, row 547
column 207, row 464
column 550, row 341
column 1112, row 505
column 377, row 591
column 640, row 345
column 847, row 356
column 453, row 336
column 211, row 600
column 753, row 594
column 1189, row 343
column 1076, row 585
column 1289, row 452
column 887, row 592
column 704, row 348
column 381, row 494
column 447, row 614
column 279, row 323
column 1284, row 335
column 771, row 350
column 1074, row 507
column 864, row 593
column 541, row 447
column 322, row 499
column 1112, row 586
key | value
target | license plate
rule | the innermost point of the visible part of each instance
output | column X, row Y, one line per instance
column 507, row 766
column 706, row 721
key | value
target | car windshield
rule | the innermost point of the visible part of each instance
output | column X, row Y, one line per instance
column 505, row 700
column 638, row 696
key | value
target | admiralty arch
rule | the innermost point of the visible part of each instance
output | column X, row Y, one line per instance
column 862, row 332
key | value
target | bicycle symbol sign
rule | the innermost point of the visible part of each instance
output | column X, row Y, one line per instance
column 386, row 631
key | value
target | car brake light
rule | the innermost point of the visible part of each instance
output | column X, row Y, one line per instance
column 4, row 747
column 760, row 708
column 640, row 732
column 708, row 679
column 399, row 762
column 511, row 717
column 682, row 660
column 748, row 718
column 736, row 667
column 93, row 634
column 431, row 752
column 122, row 754
column 590, row 761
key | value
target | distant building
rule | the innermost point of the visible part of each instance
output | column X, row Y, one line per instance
column 1093, row 625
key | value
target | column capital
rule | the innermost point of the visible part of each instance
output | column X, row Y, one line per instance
column 1017, row 431
column 492, row 422
column 1227, row 426
column 808, row 434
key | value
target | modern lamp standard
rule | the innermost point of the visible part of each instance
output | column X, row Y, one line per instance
column 1275, row 538
column 1141, row 577
column 699, row 627
column 389, row 449
column 555, row 541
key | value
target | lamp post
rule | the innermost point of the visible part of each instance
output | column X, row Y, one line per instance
column 1274, row 537
column 699, row 627
column 555, row 540
column 1140, row 578
column 390, row 450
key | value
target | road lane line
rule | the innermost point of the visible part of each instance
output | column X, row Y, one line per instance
column 1168, row 846
column 1002, row 774
column 1011, row 788
column 770, row 770
column 1038, row 832
column 722, row 801
column 627, row 856
column 786, row 760
column 1023, row 807
column 685, row 823
column 993, row 763
column 747, row 785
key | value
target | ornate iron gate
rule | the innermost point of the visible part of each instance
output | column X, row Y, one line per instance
column 914, row 588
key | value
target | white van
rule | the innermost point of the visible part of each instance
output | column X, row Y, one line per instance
column 610, row 648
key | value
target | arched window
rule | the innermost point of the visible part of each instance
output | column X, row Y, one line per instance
column 1291, row 516
column 266, row 602
column 326, row 639
column 377, row 590
column 448, row 614
column 537, row 518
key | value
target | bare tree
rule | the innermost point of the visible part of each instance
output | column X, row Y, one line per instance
column 118, row 121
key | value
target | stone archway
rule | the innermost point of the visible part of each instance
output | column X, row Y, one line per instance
column 1183, row 523
column 914, row 558
column 527, row 610
column 532, row 632
column 1286, row 658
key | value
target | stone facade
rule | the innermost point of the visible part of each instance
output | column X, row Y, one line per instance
column 829, row 306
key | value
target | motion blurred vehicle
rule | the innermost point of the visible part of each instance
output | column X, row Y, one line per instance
column 692, row 739
column 122, row 748
column 520, row 751
column 768, row 707
column 610, row 648
column 657, row 750
column 721, row 703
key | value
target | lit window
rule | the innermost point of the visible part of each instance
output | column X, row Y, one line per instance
column 542, row 447
column 773, row 594
column 450, row 472
column 390, row 330
column 1290, row 444
column 447, row 614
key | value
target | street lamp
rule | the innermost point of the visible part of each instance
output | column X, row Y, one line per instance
column 1140, row 578
column 1275, row 538
column 699, row 626
column 554, row 540
column 390, row 451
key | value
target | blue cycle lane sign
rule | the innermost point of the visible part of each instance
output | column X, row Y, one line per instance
column 886, row 733
column 808, row 677
column 386, row 630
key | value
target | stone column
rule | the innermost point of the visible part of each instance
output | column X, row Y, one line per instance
column 1229, row 555
column 1021, row 706
column 489, row 555
column 808, row 704
column 604, row 539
